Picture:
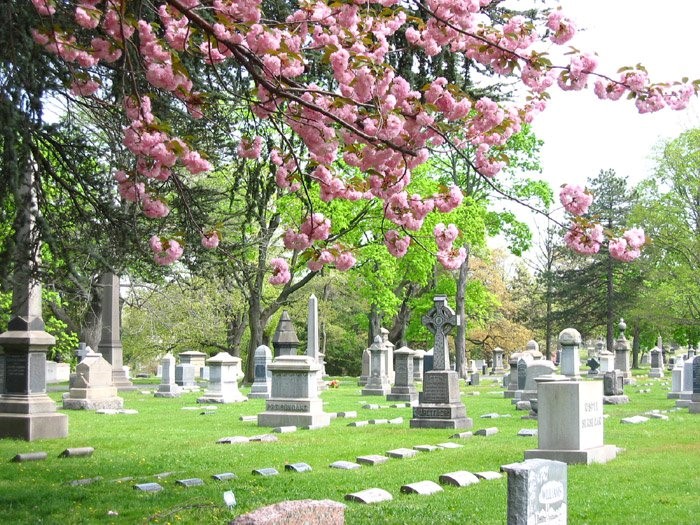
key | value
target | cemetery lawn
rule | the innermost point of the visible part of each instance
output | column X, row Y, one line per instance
column 655, row 480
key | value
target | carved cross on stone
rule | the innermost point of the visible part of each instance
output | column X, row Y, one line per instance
column 440, row 320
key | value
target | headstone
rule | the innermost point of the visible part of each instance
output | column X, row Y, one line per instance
column 533, row 371
column 497, row 354
column 622, row 354
column 294, row 399
column 694, row 405
column 184, row 377
column 593, row 367
column 533, row 348
column 367, row 496
column 490, row 431
column 92, row 387
column 196, row 359
column 262, row 382
column 50, row 372
column 474, row 379
column 388, row 354
column 537, row 492
column 298, row 467
column 30, row 456
column 110, row 345
column 428, row 361
column 424, row 488
column 418, row 356
column 570, row 422
column 378, row 382
column 265, row 472
column 26, row 411
column 570, row 359
column 426, row 448
column 224, row 476
column 403, row 388
column 77, row 452
column 634, row 420
column 312, row 344
column 285, row 340
column 613, row 388
column 676, row 379
column 512, row 386
column 296, row 512
column 440, row 405
column 229, row 499
column 461, row 478
column 190, row 482
column 401, row 453
column 488, row 475
column 366, row 359
column 657, row 363
column 148, row 487
column 223, row 380
column 345, row 465
column 372, row 459
column 607, row 360
column 168, row 387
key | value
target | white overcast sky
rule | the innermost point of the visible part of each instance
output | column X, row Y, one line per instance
column 583, row 134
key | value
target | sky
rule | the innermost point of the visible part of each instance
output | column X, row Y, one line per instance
column 583, row 134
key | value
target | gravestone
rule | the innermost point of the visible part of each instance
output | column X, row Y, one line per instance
column 607, row 360
column 694, row 406
column 296, row 512
column 403, row 388
column 367, row 496
column 418, row 356
column 570, row 358
column 686, row 394
column 613, row 388
column 378, row 382
column 285, row 341
column 82, row 351
column 657, row 363
column 293, row 397
column 537, row 492
column 497, row 367
column 622, row 354
column 184, row 377
column 168, row 387
column 92, row 387
column 26, row 411
column 533, row 348
column 439, row 402
column 593, row 367
column 474, row 379
column 223, row 380
column 262, row 376
column 388, row 355
column 512, row 386
column 533, row 371
column 312, row 344
column 366, row 359
column 676, row 379
column 570, row 422
column 110, row 345
column 196, row 359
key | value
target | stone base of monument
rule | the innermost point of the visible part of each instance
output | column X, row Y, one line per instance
column 656, row 373
column 509, row 394
column 171, row 390
column 616, row 400
column 673, row 395
column 683, row 403
column 259, row 391
column 110, row 403
column 594, row 374
column 694, row 407
column 376, row 389
column 570, row 423
column 222, row 397
column 121, row 382
column 294, row 412
column 439, row 404
column 403, row 393
column 31, row 417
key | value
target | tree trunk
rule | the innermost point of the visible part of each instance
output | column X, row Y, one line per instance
column 635, row 344
column 397, row 333
column 91, row 326
column 256, row 327
column 609, row 313
column 375, row 325
column 461, row 335
column 235, row 328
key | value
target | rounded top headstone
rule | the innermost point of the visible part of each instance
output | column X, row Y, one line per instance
column 532, row 346
column 223, row 358
column 569, row 337
column 263, row 351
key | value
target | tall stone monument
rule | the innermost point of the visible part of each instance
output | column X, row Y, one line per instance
column 168, row 387
column 622, row 354
column 694, row 406
column 92, row 387
column 388, row 355
column 378, row 382
column 262, row 378
column 223, row 380
column 312, row 344
column 657, row 363
column 403, row 388
column 439, row 402
column 570, row 357
column 26, row 412
column 497, row 367
column 110, row 345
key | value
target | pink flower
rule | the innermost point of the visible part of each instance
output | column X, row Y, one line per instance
column 316, row 227
column 564, row 29
column 296, row 241
column 210, row 240
column 621, row 250
column 248, row 149
column 194, row 163
column 154, row 208
column 445, row 236
column 44, row 7
column 84, row 88
column 280, row 271
column 397, row 245
column 452, row 259
column 635, row 237
column 575, row 199
column 345, row 261
column 584, row 240
column 165, row 252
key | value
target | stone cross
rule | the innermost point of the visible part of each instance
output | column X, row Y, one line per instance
column 439, row 321
column 312, row 329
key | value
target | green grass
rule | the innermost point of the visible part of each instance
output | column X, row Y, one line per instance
column 655, row 480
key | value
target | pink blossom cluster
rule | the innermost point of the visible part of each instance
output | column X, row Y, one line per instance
column 575, row 199
column 250, row 149
column 396, row 244
column 165, row 251
column 316, row 227
column 342, row 259
column 648, row 97
column 280, row 271
column 210, row 240
column 448, row 256
column 585, row 239
column 628, row 247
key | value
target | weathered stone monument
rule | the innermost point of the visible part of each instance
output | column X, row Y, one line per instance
column 92, row 387
column 223, row 380
column 606, row 358
column 570, row 422
column 366, row 358
column 622, row 354
column 676, row 379
column 403, row 388
column 110, row 345
column 262, row 381
column 694, row 406
column 185, row 377
column 537, row 492
column 570, row 358
column 294, row 397
column 418, row 365
column 196, row 359
column 533, row 348
column 657, row 363
column 613, row 388
column 533, row 371
column 686, row 394
column 26, row 411
column 312, row 344
column 497, row 367
column 388, row 355
column 378, row 382
column 168, row 387
column 439, row 402
column 512, row 387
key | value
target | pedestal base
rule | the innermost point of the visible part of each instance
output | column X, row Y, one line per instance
column 169, row 390
column 616, row 400
column 673, row 395
column 111, row 403
column 453, row 415
column 286, row 419
column 656, row 372
column 31, row 427
column 601, row 454
column 694, row 407
column 260, row 391
column 376, row 390
column 210, row 397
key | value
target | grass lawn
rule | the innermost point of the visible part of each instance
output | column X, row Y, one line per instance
column 655, row 480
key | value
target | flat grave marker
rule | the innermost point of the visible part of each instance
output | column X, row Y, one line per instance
column 401, row 453
column 345, row 465
column 189, row 482
column 461, row 478
column 372, row 459
column 298, row 467
column 368, row 496
column 148, row 487
column 29, row 456
column 424, row 488
column 224, row 476
column 265, row 472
